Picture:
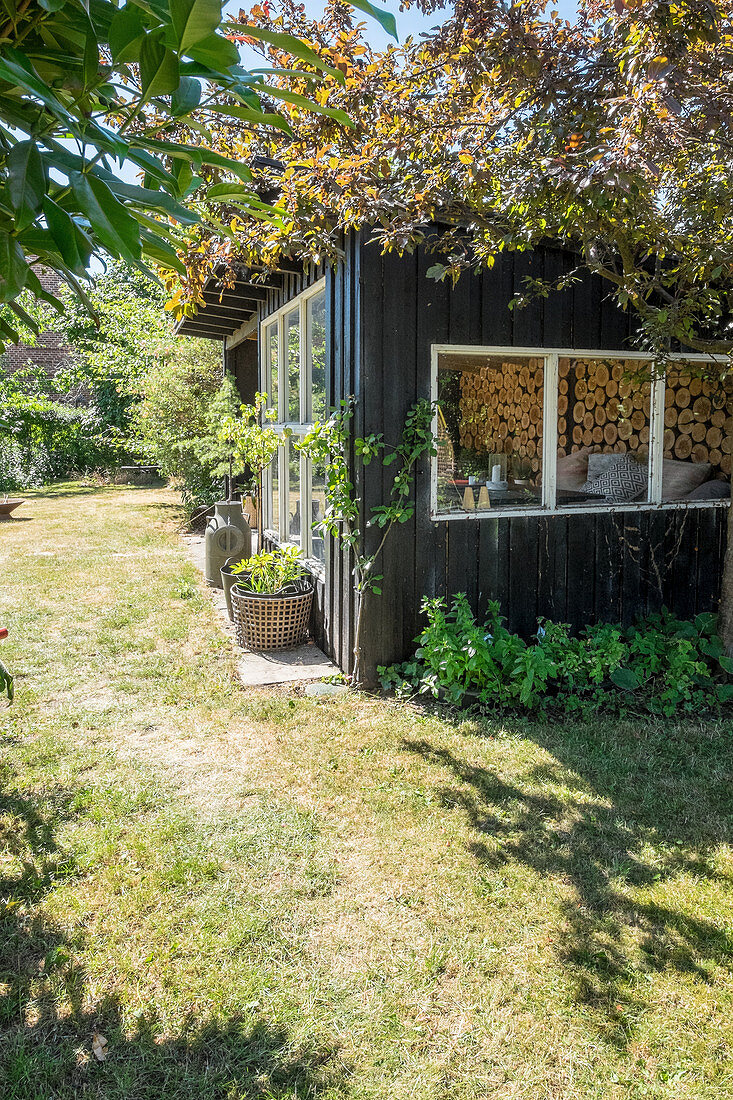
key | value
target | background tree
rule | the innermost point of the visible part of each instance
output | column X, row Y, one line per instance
column 129, row 334
column 174, row 422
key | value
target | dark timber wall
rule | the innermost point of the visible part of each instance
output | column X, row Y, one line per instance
column 383, row 314
column 243, row 362
column 577, row 569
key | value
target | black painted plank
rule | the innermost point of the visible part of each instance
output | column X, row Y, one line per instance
column 545, row 569
column 497, row 291
column 404, row 535
column 557, row 579
column 459, row 317
column 398, row 300
column 654, row 581
column 608, row 559
column 633, row 562
column 522, row 609
column 710, row 552
column 432, row 327
column 586, row 319
column 490, row 580
column 558, row 306
column 527, row 328
column 681, row 596
column 581, row 538
column 614, row 323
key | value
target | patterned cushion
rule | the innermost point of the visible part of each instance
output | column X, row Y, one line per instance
column 623, row 480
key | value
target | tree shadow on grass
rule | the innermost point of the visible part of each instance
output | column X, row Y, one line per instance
column 617, row 810
column 54, row 492
column 47, row 1025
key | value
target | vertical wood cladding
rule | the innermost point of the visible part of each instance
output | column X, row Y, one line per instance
column 383, row 315
column 578, row 569
column 243, row 362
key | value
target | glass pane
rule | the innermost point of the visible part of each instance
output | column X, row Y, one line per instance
column 318, row 509
column 698, row 423
column 294, row 495
column 317, row 329
column 274, row 503
column 271, row 365
column 292, row 345
column 489, row 431
column 603, row 424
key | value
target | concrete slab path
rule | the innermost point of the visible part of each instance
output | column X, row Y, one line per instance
column 306, row 662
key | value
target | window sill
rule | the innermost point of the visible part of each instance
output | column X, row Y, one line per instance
column 519, row 513
column 314, row 566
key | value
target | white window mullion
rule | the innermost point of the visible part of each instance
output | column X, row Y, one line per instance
column 305, row 506
column 549, row 433
column 656, row 440
column 282, row 371
column 304, row 348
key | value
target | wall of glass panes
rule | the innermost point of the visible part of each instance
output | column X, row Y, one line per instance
column 293, row 374
column 545, row 429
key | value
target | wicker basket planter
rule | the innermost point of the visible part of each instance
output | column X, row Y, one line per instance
column 278, row 621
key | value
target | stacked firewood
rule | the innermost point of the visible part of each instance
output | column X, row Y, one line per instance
column 603, row 404
column 501, row 410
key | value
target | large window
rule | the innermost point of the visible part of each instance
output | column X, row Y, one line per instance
column 293, row 372
column 547, row 430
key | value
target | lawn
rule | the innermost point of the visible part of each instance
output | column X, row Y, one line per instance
column 259, row 894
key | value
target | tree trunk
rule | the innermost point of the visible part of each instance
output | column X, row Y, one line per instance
column 725, row 611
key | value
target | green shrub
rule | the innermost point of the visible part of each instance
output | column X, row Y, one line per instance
column 41, row 438
column 661, row 665
column 172, row 423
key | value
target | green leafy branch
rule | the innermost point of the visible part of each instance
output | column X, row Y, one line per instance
column 328, row 445
column 252, row 441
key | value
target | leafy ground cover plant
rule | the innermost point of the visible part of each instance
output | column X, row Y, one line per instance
column 660, row 665
column 271, row 571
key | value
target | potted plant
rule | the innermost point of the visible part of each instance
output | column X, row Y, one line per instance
column 272, row 599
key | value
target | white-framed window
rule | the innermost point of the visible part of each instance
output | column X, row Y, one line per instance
column 535, row 430
column 293, row 374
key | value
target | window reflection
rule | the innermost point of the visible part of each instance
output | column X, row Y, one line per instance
column 292, row 349
column 603, row 431
column 489, row 431
column 316, row 309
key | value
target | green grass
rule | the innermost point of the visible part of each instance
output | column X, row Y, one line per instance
column 264, row 895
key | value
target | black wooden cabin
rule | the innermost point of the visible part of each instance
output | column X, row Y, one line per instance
column 544, row 397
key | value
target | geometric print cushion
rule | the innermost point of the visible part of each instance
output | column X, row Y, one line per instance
column 623, row 480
